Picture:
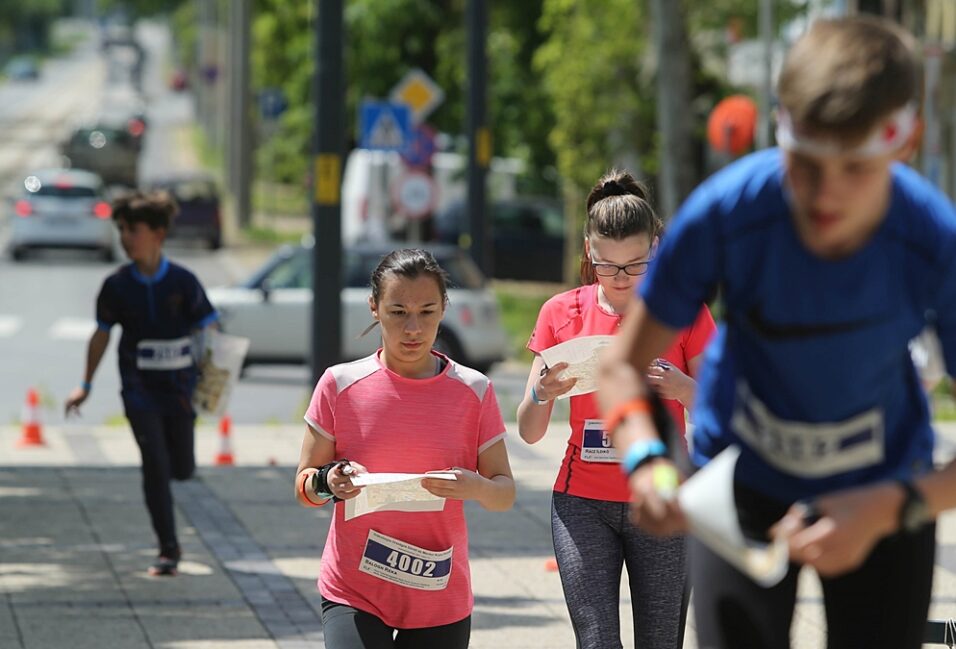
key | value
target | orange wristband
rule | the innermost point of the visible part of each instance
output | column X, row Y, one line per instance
column 305, row 477
column 622, row 411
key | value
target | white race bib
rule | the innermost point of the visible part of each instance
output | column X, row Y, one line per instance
column 164, row 354
column 405, row 564
column 808, row 449
column 596, row 443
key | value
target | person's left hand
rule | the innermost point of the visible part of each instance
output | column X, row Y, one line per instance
column 467, row 485
column 669, row 382
column 850, row 523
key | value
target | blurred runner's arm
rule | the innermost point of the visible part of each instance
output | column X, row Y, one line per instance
column 642, row 338
column 99, row 341
column 623, row 394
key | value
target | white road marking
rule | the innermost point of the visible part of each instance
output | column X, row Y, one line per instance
column 9, row 325
column 72, row 329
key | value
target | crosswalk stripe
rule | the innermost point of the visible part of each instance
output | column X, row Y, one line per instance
column 72, row 329
column 9, row 325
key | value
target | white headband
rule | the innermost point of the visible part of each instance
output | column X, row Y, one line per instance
column 888, row 137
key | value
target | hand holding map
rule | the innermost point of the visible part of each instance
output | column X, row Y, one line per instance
column 581, row 355
column 394, row 492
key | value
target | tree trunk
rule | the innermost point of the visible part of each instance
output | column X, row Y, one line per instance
column 674, row 113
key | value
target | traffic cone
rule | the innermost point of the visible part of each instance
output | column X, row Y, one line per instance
column 31, row 432
column 225, row 458
column 551, row 565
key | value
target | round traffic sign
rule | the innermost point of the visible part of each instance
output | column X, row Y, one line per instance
column 415, row 194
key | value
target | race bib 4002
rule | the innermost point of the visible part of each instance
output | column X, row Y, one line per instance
column 405, row 564
column 596, row 443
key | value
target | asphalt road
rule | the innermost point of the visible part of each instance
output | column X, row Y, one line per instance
column 47, row 301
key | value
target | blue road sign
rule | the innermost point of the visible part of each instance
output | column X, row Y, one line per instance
column 384, row 126
column 272, row 103
column 420, row 148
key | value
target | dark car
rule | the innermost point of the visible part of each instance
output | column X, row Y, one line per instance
column 199, row 207
column 528, row 236
column 106, row 149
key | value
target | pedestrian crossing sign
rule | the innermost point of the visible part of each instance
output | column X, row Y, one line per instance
column 384, row 126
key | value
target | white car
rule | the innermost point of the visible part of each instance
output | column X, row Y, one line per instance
column 273, row 308
column 62, row 208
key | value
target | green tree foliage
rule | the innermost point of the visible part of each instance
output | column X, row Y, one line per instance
column 26, row 25
column 138, row 8
column 721, row 15
column 283, row 34
column 590, row 67
column 384, row 40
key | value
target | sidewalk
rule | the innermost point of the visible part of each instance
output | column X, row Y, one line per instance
column 75, row 541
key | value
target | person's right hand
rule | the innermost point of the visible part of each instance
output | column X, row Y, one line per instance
column 73, row 402
column 340, row 484
column 657, row 513
column 550, row 385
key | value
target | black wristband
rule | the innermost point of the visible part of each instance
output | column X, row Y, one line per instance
column 320, row 480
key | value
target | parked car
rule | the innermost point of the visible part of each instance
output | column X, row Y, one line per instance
column 199, row 207
column 107, row 149
column 62, row 208
column 273, row 308
column 527, row 236
column 22, row 68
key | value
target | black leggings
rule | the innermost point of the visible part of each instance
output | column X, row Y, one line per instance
column 349, row 628
column 166, row 445
column 881, row 605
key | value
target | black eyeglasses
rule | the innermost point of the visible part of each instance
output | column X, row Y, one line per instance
column 605, row 269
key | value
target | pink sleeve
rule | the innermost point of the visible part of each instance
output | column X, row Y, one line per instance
column 699, row 334
column 320, row 414
column 491, row 427
column 542, row 336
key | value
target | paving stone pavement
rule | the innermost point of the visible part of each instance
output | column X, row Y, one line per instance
column 75, row 541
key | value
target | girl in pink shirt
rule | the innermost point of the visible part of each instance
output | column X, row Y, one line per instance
column 400, row 579
column 589, row 517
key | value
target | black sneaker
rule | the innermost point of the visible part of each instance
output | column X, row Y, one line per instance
column 164, row 566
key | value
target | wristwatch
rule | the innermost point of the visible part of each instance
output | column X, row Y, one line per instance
column 914, row 513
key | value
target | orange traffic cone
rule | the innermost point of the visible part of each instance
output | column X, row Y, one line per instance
column 225, row 458
column 32, row 433
column 551, row 565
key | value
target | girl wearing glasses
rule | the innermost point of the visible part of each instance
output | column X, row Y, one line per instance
column 589, row 508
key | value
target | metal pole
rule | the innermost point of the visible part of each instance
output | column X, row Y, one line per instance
column 329, row 147
column 240, row 155
column 204, row 56
column 766, row 86
column 479, row 135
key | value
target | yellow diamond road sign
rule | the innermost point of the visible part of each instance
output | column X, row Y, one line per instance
column 419, row 92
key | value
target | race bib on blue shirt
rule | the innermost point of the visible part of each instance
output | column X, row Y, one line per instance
column 164, row 354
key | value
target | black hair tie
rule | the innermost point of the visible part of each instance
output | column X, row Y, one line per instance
column 612, row 188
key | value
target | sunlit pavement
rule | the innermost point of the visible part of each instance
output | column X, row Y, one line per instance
column 75, row 542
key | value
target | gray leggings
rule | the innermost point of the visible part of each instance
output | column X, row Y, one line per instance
column 592, row 540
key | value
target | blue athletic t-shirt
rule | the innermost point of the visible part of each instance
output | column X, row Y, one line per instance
column 810, row 372
column 158, row 314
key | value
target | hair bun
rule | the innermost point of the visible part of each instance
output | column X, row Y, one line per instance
column 613, row 188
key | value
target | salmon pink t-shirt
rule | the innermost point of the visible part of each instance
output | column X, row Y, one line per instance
column 574, row 314
column 408, row 569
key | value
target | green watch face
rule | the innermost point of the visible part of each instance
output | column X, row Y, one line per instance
column 914, row 512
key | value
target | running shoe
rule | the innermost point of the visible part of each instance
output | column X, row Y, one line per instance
column 164, row 566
